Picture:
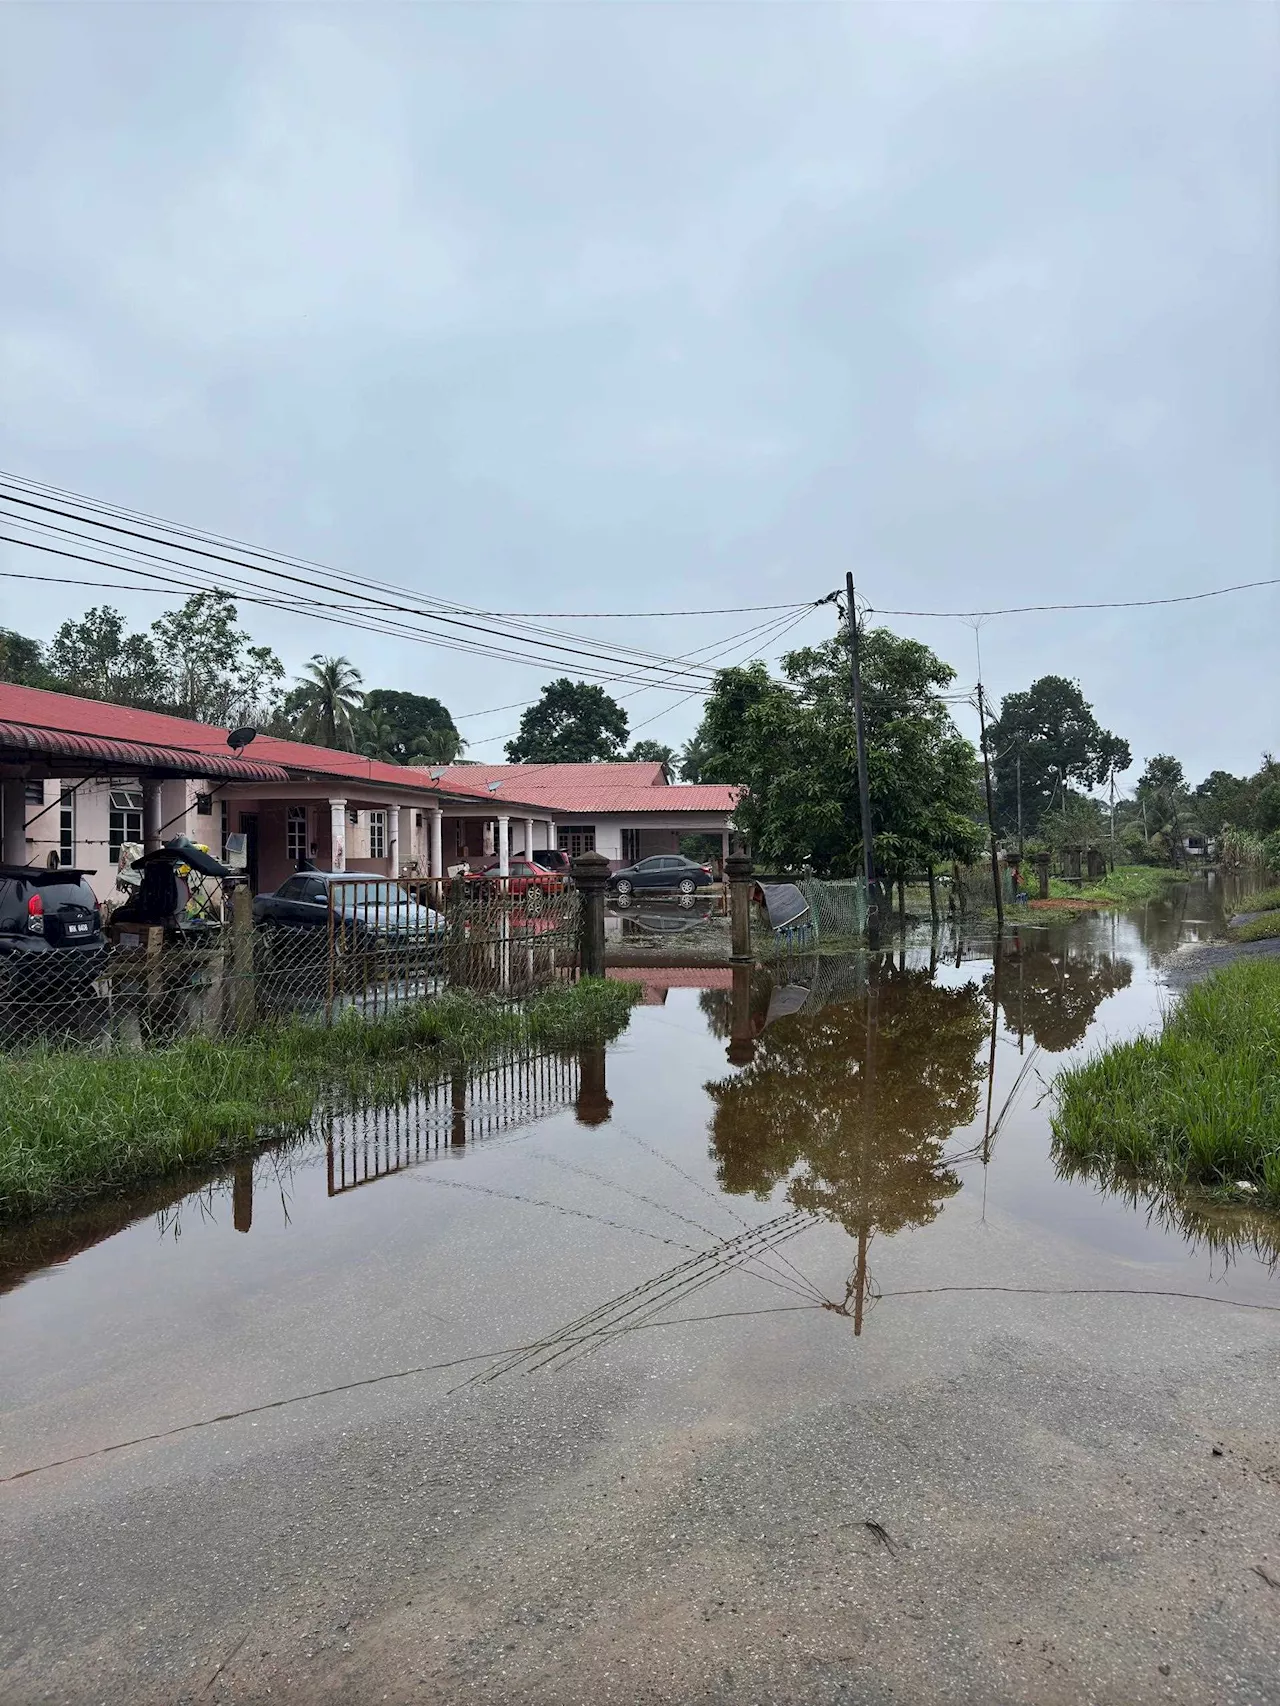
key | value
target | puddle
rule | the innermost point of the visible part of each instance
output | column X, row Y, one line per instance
column 828, row 1135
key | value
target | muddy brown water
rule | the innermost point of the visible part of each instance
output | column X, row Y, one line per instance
column 868, row 1094
column 770, row 1173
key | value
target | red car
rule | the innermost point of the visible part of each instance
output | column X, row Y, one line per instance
column 523, row 876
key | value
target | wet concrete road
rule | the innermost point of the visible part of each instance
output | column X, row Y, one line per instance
column 1076, row 1474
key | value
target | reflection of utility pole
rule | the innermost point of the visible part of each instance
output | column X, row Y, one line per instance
column 864, row 785
column 991, row 1058
column 991, row 811
column 868, row 1118
column 242, row 1196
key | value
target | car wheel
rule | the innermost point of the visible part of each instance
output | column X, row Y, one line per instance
column 623, row 885
column 687, row 885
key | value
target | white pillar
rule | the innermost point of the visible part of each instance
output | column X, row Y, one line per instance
column 528, row 838
column 504, row 846
column 151, row 816
column 437, row 842
column 393, row 840
column 14, row 797
column 337, row 835
column 551, row 833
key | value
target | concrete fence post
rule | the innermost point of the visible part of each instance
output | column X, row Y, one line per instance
column 590, row 873
column 1042, row 874
column 243, row 994
column 737, row 869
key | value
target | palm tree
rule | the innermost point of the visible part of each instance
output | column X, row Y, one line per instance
column 378, row 737
column 327, row 702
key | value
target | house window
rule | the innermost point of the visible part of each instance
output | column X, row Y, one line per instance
column 630, row 846
column 125, row 821
column 578, row 838
column 295, row 834
column 67, row 827
column 377, row 835
column 35, row 793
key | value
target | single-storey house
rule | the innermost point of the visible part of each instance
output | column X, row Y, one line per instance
column 625, row 811
column 79, row 778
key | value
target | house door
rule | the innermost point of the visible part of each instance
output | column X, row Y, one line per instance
column 578, row 838
column 249, row 829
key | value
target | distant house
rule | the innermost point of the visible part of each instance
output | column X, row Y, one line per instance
column 625, row 811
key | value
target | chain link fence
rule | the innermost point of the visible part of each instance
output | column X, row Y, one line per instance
column 367, row 944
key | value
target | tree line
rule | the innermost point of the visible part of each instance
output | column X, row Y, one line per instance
column 197, row 662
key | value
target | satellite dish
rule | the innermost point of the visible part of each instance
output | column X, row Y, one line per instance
column 493, row 786
column 238, row 739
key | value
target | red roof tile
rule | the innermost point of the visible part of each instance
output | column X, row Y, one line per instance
column 581, row 788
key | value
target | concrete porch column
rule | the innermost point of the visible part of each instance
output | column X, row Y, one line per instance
column 151, row 816
column 14, row 799
column 337, row 835
column 393, row 840
column 437, row 842
column 504, row 846
column 528, row 838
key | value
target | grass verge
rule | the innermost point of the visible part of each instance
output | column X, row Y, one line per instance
column 77, row 1125
column 1262, row 929
column 1125, row 886
column 1197, row 1107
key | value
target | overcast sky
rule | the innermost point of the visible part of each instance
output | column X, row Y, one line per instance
column 588, row 307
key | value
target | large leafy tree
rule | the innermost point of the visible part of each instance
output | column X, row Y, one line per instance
column 574, row 722
column 1052, row 731
column 97, row 657
column 22, row 661
column 862, row 1147
column 416, row 727
column 325, row 705
column 791, row 743
column 1240, row 802
column 212, row 671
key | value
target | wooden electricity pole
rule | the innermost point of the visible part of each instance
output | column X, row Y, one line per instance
column 864, row 787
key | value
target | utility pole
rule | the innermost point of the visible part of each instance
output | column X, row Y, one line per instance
column 864, row 787
column 991, row 813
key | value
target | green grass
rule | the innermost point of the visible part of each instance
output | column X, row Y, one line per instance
column 75, row 1125
column 1126, row 885
column 1267, row 900
column 1197, row 1107
column 1263, row 929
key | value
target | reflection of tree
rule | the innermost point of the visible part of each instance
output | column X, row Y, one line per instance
column 863, row 1156
column 1053, row 993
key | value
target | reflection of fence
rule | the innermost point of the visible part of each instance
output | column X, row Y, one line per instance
column 370, row 1143
column 372, row 943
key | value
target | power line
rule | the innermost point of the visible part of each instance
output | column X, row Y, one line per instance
column 1111, row 604
column 614, row 654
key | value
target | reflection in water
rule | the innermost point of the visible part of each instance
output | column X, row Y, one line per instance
column 853, row 1104
column 1228, row 1231
column 1051, row 991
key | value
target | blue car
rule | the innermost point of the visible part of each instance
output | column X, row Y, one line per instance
column 365, row 906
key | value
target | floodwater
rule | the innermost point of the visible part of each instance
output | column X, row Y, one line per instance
column 779, row 1189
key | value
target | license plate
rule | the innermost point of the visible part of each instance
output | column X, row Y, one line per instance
column 77, row 929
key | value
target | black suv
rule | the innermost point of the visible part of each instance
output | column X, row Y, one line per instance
column 50, row 931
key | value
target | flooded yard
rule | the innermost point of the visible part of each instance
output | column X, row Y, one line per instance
column 764, row 1355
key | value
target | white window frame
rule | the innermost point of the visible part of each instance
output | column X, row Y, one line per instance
column 378, row 835
column 124, row 819
column 296, row 838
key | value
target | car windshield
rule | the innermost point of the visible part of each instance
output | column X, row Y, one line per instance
column 374, row 894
